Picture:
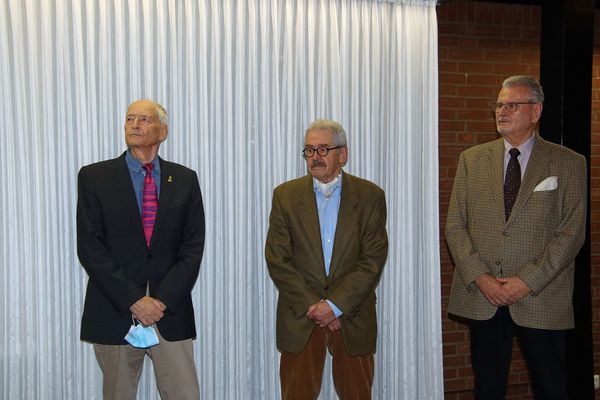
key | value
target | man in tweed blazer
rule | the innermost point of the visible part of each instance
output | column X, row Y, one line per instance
column 325, row 250
column 514, row 267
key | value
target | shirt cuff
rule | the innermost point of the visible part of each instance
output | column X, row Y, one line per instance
column 336, row 310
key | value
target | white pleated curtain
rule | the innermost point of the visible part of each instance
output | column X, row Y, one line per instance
column 241, row 80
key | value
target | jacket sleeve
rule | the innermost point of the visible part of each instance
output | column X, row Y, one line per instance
column 181, row 277
column 103, row 271
column 363, row 276
column 291, row 285
column 568, row 237
column 467, row 260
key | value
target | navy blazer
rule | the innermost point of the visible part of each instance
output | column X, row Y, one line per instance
column 112, row 248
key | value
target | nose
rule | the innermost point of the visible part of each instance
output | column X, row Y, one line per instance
column 502, row 111
column 136, row 122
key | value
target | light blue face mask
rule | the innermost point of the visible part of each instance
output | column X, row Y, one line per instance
column 141, row 336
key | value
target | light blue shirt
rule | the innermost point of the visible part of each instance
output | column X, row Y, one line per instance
column 523, row 158
column 138, row 174
column 328, row 208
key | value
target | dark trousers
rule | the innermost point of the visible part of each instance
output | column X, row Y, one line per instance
column 301, row 374
column 491, row 348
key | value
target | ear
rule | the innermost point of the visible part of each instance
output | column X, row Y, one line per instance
column 164, row 132
column 537, row 112
column 344, row 155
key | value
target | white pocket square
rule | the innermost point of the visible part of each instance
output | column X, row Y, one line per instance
column 550, row 183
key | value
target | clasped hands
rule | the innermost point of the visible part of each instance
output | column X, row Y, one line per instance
column 322, row 314
column 148, row 310
column 502, row 291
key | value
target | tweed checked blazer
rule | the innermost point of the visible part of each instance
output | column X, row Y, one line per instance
column 112, row 249
column 538, row 243
column 294, row 256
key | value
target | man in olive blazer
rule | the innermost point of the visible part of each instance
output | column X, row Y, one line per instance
column 311, row 281
column 515, row 275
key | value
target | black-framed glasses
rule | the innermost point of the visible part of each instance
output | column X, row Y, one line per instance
column 309, row 152
column 510, row 106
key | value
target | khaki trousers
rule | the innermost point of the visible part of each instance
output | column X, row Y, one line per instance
column 301, row 374
column 173, row 363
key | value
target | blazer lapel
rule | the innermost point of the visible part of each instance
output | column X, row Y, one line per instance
column 536, row 166
column 346, row 222
column 309, row 215
column 167, row 185
column 122, row 180
column 496, row 174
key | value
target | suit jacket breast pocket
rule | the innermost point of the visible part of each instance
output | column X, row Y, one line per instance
column 542, row 208
column 175, row 215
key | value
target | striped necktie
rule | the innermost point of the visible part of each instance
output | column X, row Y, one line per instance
column 149, row 203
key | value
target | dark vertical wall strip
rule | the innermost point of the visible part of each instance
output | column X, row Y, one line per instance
column 565, row 73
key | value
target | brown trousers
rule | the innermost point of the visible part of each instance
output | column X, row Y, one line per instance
column 301, row 374
column 173, row 363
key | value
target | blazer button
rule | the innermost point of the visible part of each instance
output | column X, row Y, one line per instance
column 149, row 257
column 497, row 263
column 326, row 288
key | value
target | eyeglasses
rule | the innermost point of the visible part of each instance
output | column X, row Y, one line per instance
column 511, row 106
column 309, row 152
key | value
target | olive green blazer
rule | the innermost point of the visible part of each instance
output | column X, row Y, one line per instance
column 294, row 258
column 538, row 243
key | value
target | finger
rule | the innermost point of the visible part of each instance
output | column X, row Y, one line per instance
column 324, row 319
column 334, row 325
column 158, row 304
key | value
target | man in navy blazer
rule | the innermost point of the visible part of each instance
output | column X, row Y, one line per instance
column 134, row 277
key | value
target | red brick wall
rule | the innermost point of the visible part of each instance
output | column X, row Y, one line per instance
column 480, row 44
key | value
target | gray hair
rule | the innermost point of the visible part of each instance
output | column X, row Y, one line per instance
column 162, row 113
column 160, row 110
column 537, row 93
column 339, row 135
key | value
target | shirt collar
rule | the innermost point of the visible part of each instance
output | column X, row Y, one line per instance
column 524, row 149
column 135, row 166
column 322, row 188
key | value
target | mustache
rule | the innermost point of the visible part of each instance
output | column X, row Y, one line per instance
column 318, row 163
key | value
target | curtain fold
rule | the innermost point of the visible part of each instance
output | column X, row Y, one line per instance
column 241, row 80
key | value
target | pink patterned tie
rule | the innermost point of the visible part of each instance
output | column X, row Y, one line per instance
column 149, row 203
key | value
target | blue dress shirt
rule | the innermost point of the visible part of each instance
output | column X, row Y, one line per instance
column 328, row 208
column 138, row 174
